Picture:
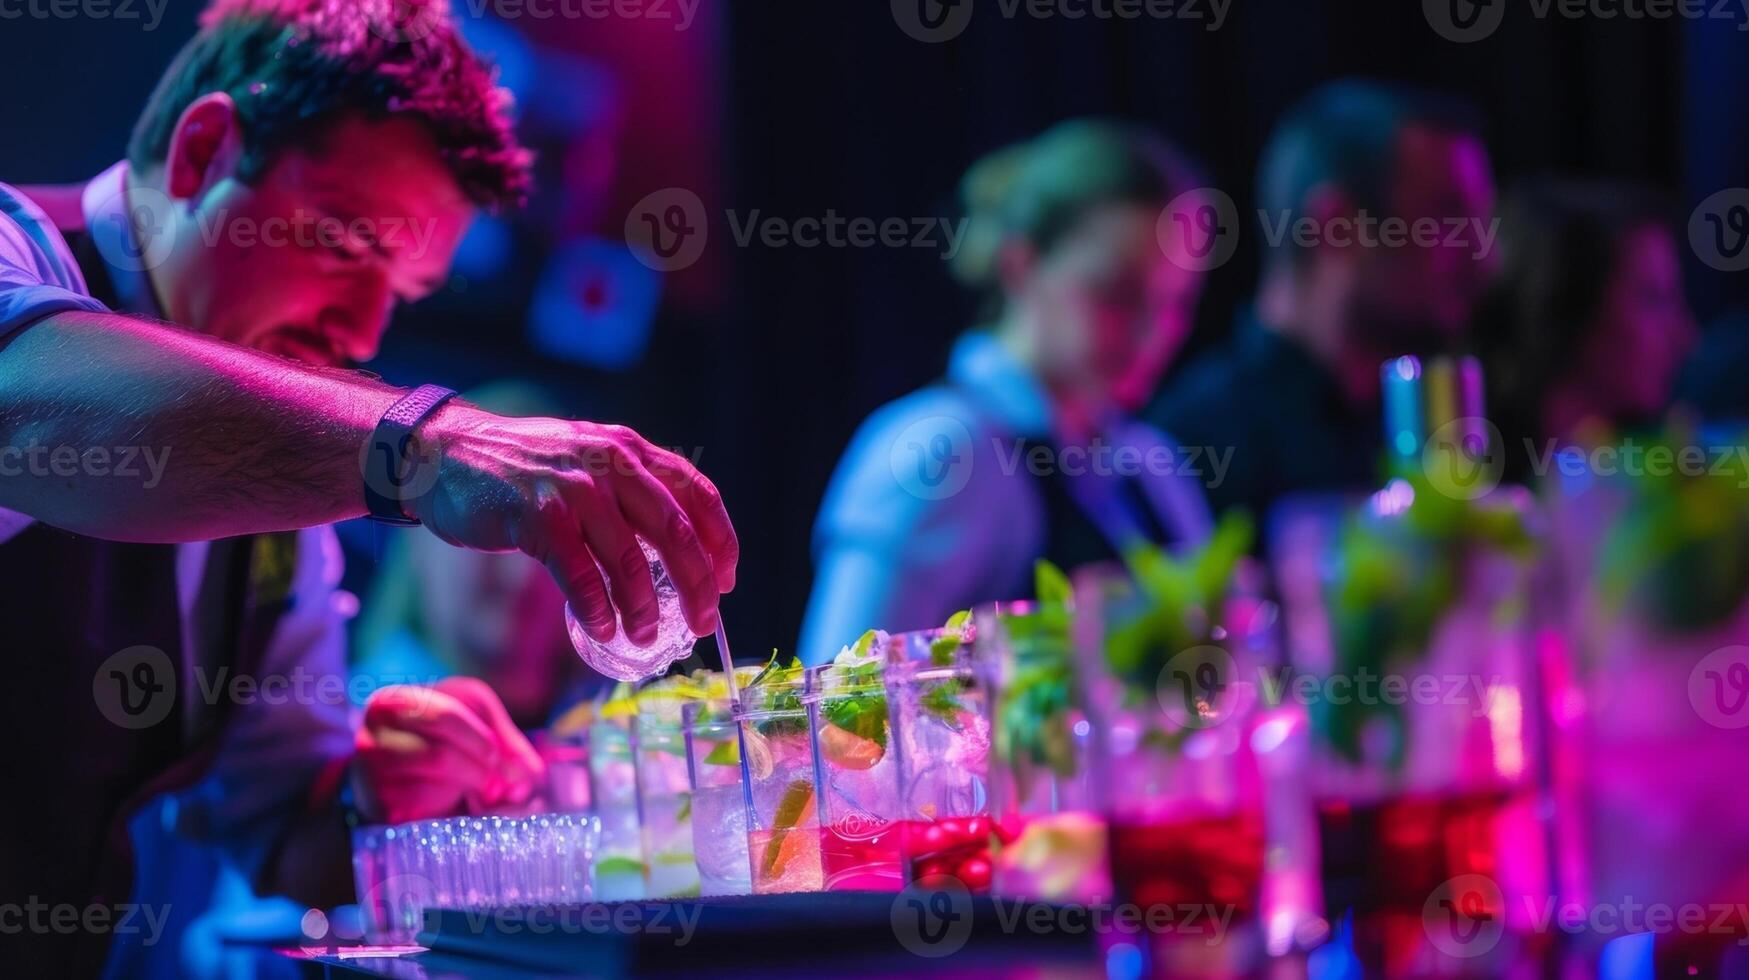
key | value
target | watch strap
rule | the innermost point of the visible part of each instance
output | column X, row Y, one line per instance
column 391, row 475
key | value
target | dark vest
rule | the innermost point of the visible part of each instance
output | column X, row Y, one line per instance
column 94, row 712
column 1072, row 539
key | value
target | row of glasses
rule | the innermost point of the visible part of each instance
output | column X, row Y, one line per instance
column 465, row 863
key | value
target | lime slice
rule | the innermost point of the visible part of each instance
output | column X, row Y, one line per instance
column 726, row 753
column 796, row 806
column 619, row 866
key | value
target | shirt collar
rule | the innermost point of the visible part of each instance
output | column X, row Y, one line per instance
column 105, row 206
column 1002, row 386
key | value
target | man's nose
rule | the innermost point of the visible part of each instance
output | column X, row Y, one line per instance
column 357, row 327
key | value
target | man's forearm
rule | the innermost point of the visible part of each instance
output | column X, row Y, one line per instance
column 128, row 430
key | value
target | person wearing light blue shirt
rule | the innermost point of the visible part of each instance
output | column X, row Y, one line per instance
column 1026, row 449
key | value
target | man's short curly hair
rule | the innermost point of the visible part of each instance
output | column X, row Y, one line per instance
column 294, row 66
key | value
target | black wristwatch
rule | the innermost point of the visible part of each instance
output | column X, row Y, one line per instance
column 392, row 476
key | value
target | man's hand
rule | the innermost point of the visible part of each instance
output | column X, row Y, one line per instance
column 577, row 497
column 439, row 751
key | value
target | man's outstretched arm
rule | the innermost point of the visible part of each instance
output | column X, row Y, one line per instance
column 226, row 441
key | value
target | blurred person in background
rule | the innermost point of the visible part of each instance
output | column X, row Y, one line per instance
column 1295, row 391
column 1586, row 330
column 436, row 611
column 1027, row 448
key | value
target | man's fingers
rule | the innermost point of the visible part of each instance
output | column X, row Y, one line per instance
column 656, row 518
column 520, row 761
column 574, row 568
column 624, row 566
column 434, row 716
column 698, row 496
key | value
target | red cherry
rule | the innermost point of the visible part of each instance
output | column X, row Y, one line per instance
column 930, row 839
column 974, row 873
column 930, row 868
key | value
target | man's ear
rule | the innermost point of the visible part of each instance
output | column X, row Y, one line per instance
column 204, row 147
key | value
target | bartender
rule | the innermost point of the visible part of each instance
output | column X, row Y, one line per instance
column 179, row 428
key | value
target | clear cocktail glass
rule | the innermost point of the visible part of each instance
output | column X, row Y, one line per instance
column 719, row 799
column 860, row 810
column 941, row 738
column 777, row 762
column 1050, row 837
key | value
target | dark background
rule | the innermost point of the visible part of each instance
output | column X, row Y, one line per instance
column 764, row 360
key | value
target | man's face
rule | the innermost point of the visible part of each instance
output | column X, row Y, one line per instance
column 309, row 260
column 1422, row 295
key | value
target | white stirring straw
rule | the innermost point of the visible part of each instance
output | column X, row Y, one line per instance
column 728, row 662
